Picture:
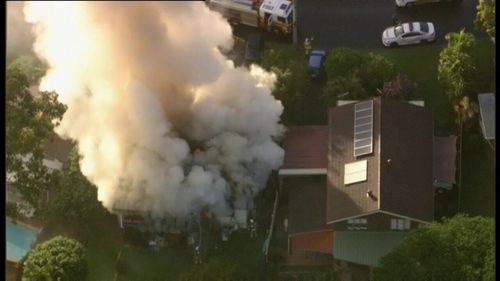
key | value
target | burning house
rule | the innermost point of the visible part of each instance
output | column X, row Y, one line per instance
column 143, row 82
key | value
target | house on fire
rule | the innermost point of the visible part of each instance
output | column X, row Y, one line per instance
column 354, row 188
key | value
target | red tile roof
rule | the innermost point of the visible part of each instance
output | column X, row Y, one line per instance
column 321, row 242
column 306, row 147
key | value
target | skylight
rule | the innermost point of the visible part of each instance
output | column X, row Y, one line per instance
column 355, row 172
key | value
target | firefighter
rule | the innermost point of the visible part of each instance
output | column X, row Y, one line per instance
column 253, row 228
column 197, row 255
column 307, row 46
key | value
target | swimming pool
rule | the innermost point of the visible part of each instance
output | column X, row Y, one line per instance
column 19, row 240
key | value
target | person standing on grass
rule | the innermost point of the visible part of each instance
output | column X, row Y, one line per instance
column 307, row 45
column 197, row 255
column 253, row 228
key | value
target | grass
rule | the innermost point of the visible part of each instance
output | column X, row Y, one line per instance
column 144, row 264
column 420, row 63
column 102, row 246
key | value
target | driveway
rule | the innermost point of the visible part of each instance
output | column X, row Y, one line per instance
column 359, row 23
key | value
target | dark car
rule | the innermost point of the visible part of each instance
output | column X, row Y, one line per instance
column 316, row 61
column 253, row 49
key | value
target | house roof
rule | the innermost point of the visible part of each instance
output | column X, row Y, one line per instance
column 58, row 149
column 399, row 171
column 306, row 147
column 365, row 247
column 321, row 242
column 445, row 152
column 306, row 204
column 487, row 111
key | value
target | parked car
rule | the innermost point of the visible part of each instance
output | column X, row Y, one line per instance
column 411, row 3
column 409, row 33
column 253, row 48
column 316, row 60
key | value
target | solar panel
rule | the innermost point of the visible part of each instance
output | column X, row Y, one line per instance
column 363, row 128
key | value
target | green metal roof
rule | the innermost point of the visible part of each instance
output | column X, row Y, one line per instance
column 365, row 247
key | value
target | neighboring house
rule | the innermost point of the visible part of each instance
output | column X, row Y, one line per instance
column 487, row 111
column 358, row 185
column 56, row 153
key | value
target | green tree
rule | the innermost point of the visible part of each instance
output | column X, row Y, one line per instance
column 353, row 67
column 342, row 61
column 485, row 17
column 29, row 124
column 456, row 249
column 343, row 87
column 31, row 66
column 374, row 70
column 59, row 258
column 456, row 67
column 292, row 82
column 75, row 198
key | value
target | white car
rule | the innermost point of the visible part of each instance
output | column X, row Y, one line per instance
column 409, row 33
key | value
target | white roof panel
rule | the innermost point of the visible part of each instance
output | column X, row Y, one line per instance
column 355, row 172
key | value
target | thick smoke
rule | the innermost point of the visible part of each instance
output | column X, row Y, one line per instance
column 164, row 122
column 19, row 36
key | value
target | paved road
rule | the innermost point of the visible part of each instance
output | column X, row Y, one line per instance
column 359, row 23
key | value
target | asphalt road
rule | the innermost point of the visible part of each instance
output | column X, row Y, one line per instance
column 359, row 23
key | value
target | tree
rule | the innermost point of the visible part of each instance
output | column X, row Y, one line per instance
column 401, row 88
column 29, row 124
column 456, row 249
column 31, row 66
column 465, row 111
column 456, row 68
column 349, row 68
column 343, row 86
column 292, row 80
column 75, row 198
column 374, row 70
column 342, row 61
column 485, row 17
column 59, row 258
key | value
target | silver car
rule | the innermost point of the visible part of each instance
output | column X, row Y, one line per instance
column 408, row 34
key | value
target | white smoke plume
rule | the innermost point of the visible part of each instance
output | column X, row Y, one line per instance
column 19, row 36
column 164, row 122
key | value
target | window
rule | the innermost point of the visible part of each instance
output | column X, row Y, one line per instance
column 398, row 30
column 281, row 19
column 411, row 34
column 355, row 172
column 357, row 224
column 424, row 27
column 400, row 224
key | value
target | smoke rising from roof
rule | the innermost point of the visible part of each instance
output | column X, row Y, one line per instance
column 164, row 122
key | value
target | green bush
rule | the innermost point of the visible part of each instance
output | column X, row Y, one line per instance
column 59, row 258
column 344, row 87
column 358, row 73
column 342, row 61
column 292, row 83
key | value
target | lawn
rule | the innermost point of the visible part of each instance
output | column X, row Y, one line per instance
column 144, row 264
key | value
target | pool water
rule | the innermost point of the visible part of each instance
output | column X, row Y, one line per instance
column 19, row 240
